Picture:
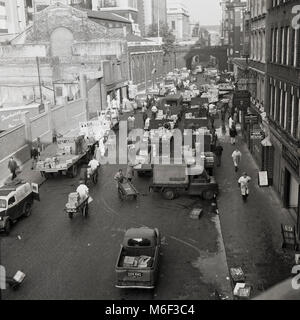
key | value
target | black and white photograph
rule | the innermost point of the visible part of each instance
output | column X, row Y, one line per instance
column 149, row 153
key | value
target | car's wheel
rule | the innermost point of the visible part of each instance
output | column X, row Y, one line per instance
column 27, row 209
column 208, row 195
column 169, row 194
column 47, row 175
column 7, row 227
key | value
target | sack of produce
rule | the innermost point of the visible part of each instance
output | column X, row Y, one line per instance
column 73, row 200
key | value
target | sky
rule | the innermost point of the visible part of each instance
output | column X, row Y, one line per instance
column 207, row 12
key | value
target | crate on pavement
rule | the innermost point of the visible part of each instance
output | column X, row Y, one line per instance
column 237, row 275
column 242, row 291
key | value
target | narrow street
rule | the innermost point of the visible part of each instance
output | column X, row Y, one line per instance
column 66, row 259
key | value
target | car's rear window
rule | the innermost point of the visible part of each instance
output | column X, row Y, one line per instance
column 139, row 243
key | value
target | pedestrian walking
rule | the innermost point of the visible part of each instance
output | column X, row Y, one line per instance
column 237, row 158
column 129, row 172
column 219, row 152
column 147, row 124
column 131, row 123
column 214, row 140
column 231, row 122
column 13, row 166
column 154, row 111
column 233, row 134
column 119, row 177
column 244, row 185
column 34, row 157
column 39, row 146
column 236, row 116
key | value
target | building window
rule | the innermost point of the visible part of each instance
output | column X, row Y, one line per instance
column 271, row 101
column 297, row 49
column 173, row 25
column 280, row 45
column 275, row 47
column 295, row 117
column 293, row 46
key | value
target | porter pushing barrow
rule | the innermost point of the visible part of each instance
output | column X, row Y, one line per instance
column 78, row 201
column 126, row 190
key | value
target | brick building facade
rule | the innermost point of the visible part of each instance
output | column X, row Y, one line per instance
column 283, row 100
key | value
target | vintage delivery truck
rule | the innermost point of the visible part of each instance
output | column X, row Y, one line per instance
column 171, row 180
column 16, row 200
column 138, row 261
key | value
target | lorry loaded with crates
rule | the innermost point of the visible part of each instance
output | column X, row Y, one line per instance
column 65, row 156
column 172, row 180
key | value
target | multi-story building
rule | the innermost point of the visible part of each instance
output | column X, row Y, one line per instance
column 257, row 62
column 224, row 23
column 283, row 99
column 124, row 8
column 3, row 18
column 232, row 28
column 154, row 13
column 12, row 17
column 178, row 19
column 39, row 5
column 72, row 43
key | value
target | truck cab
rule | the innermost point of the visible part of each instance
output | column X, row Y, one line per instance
column 16, row 200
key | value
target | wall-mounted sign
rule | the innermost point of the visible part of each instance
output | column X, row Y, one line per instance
column 256, row 134
column 251, row 119
column 263, row 180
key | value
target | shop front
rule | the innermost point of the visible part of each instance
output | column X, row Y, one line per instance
column 290, row 171
column 286, row 175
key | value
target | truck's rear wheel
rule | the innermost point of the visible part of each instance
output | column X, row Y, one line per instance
column 73, row 171
column 27, row 209
column 169, row 194
column 208, row 195
column 7, row 227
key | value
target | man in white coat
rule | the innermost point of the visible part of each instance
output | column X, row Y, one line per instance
column 244, row 185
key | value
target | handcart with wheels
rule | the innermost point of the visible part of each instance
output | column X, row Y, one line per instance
column 126, row 190
column 89, row 176
column 80, row 207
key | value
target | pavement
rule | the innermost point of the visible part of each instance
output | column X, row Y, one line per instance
column 252, row 230
column 26, row 174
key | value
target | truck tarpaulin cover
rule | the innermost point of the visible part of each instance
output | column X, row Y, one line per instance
column 170, row 174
